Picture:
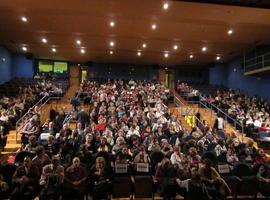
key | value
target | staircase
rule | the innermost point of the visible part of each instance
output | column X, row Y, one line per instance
column 12, row 147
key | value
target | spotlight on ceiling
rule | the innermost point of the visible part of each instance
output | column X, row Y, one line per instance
column 24, row 48
column 165, row 6
column 204, row 49
column 53, row 49
column 139, row 53
column 111, row 52
column 112, row 24
column 218, row 58
column 144, row 45
column 78, row 42
column 230, row 32
column 44, row 40
column 82, row 51
column 154, row 26
column 111, row 43
column 24, row 19
column 175, row 47
column 166, row 55
column 191, row 56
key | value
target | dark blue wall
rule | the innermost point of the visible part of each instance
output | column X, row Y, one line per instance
column 21, row 66
column 5, row 65
column 123, row 71
column 232, row 75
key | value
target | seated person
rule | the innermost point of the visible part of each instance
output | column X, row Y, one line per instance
column 264, row 177
column 213, row 181
column 75, row 177
column 25, row 180
column 51, row 180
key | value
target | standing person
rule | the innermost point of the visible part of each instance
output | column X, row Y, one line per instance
column 75, row 103
column 83, row 118
column 219, row 123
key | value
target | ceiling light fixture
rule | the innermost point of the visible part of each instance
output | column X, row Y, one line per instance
column 175, row 47
column 144, row 45
column 44, row 40
column 78, row 42
column 165, row 6
column 111, row 43
column 53, row 49
column 24, row 48
column 82, row 51
column 204, row 49
column 191, row 56
column 230, row 32
column 139, row 54
column 166, row 55
column 218, row 58
column 24, row 19
column 154, row 26
column 111, row 52
column 112, row 24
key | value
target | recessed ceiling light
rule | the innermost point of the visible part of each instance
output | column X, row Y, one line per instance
column 112, row 24
column 166, row 55
column 44, row 40
column 230, row 32
column 191, row 56
column 139, row 54
column 204, row 49
column 24, row 48
column 78, row 42
column 175, row 47
column 166, row 68
column 53, row 49
column 165, row 6
column 218, row 58
column 111, row 52
column 24, row 19
column 112, row 44
column 82, row 51
column 154, row 26
column 144, row 45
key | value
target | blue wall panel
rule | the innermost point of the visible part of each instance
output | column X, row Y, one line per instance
column 232, row 75
column 5, row 65
column 21, row 66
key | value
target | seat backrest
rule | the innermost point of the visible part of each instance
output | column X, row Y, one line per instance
column 242, row 169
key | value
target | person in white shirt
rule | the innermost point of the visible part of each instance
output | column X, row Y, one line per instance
column 132, row 131
column 177, row 157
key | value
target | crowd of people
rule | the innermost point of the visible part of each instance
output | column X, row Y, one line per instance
column 12, row 108
column 251, row 112
column 128, row 131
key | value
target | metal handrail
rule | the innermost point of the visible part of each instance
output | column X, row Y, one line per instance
column 28, row 112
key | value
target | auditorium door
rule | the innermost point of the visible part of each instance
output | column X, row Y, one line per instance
column 74, row 75
column 167, row 77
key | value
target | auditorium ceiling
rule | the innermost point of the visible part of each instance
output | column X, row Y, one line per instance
column 173, row 34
